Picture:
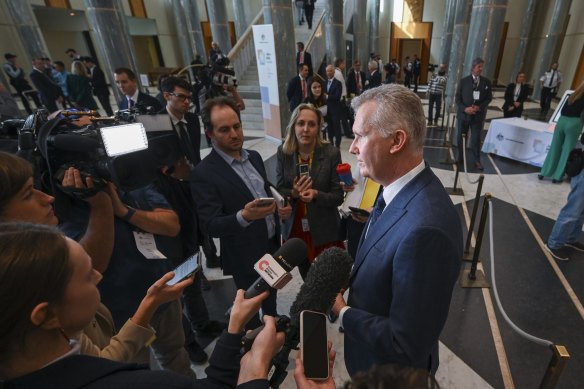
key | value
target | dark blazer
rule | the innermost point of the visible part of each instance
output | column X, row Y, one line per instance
column 333, row 100
column 323, row 215
column 294, row 92
column 374, row 80
column 98, row 83
column 144, row 100
column 48, row 90
column 402, row 280
column 464, row 98
column 82, row 371
column 307, row 60
column 510, row 99
column 352, row 82
column 79, row 89
column 219, row 194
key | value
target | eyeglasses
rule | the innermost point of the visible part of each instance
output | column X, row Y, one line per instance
column 181, row 97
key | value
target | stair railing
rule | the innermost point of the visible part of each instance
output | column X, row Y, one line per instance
column 242, row 55
column 316, row 45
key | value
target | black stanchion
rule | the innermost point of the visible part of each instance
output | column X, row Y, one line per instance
column 475, row 278
column 455, row 191
column 555, row 367
column 446, row 142
column 469, row 251
column 441, row 128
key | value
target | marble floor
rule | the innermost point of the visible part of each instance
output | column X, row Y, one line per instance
column 478, row 349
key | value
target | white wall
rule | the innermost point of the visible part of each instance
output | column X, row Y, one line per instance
column 161, row 11
column 434, row 11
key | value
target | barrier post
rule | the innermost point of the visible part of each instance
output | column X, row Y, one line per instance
column 441, row 128
column 475, row 278
column 446, row 142
column 555, row 367
column 454, row 191
column 468, row 250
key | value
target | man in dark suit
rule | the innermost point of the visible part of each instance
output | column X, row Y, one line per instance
column 226, row 186
column 18, row 82
column 49, row 91
column 126, row 81
column 409, row 255
column 356, row 80
column 297, row 88
column 515, row 95
column 309, row 11
column 374, row 79
column 98, row 84
column 473, row 97
column 334, row 91
column 303, row 57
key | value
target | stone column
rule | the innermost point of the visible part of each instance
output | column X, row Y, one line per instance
column 280, row 14
column 373, row 29
column 484, row 35
column 335, row 37
column 28, row 29
column 219, row 24
column 447, row 27
column 182, row 33
column 459, row 38
column 553, row 41
column 360, row 36
column 528, row 17
column 239, row 16
column 193, row 22
column 112, row 37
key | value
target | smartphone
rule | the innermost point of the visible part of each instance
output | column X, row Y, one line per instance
column 303, row 170
column 265, row 201
column 313, row 345
column 186, row 269
column 359, row 211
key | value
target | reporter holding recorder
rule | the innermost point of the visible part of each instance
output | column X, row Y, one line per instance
column 35, row 351
column 316, row 195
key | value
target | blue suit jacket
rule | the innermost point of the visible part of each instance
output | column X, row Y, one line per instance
column 402, row 280
column 219, row 194
column 333, row 101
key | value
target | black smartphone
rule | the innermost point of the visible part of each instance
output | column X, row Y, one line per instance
column 313, row 345
column 303, row 170
column 186, row 269
column 359, row 211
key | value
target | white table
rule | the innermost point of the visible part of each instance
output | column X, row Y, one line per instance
column 519, row 139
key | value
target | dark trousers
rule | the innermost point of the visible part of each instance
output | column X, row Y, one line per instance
column 345, row 119
column 334, row 130
column 416, row 79
column 408, row 80
column 308, row 12
column 476, row 127
column 435, row 98
column 547, row 94
column 105, row 104
column 195, row 310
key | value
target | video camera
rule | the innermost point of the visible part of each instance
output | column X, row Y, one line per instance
column 432, row 67
column 118, row 149
column 218, row 74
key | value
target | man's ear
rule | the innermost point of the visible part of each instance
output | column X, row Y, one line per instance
column 43, row 316
column 166, row 96
column 400, row 139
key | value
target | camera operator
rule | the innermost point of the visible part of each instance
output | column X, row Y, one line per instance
column 126, row 82
column 172, row 182
column 215, row 82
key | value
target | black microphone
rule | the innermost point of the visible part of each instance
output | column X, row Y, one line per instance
column 71, row 142
column 290, row 255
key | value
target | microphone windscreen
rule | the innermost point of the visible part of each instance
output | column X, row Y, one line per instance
column 291, row 254
column 325, row 279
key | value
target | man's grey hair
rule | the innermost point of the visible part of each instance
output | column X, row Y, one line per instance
column 372, row 64
column 477, row 61
column 397, row 108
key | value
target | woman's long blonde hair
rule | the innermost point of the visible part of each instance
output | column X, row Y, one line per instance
column 290, row 145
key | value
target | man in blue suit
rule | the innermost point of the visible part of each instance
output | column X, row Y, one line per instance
column 409, row 253
column 226, row 186
column 127, row 84
column 334, row 91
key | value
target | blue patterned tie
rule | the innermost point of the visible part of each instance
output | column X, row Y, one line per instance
column 379, row 207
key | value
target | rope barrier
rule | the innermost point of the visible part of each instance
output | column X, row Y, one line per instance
column 464, row 161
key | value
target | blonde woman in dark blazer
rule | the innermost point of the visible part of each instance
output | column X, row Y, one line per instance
column 316, row 195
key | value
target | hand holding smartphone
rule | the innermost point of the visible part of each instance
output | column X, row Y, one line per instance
column 359, row 211
column 265, row 201
column 313, row 345
column 186, row 269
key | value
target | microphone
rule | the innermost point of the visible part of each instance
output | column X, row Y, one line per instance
column 275, row 270
column 71, row 142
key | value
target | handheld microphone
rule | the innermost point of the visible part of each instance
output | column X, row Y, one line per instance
column 276, row 269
